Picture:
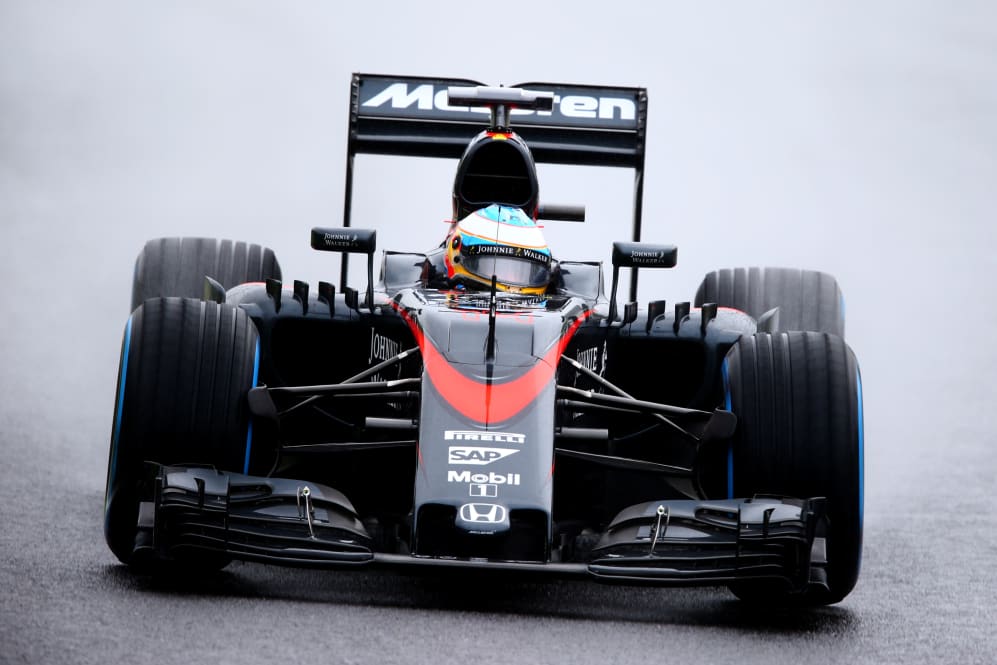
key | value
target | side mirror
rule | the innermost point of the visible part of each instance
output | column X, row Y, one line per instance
column 344, row 240
column 639, row 255
column 644, row 255
column 348, row 240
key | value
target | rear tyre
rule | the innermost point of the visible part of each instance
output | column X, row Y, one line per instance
column 177, row 266
column 186, row 366
column 798, row 399
column 807, row 299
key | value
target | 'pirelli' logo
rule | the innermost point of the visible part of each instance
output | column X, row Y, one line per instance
column 484, row 437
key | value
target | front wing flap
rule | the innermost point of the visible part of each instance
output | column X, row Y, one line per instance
column 271, row 520
column 703, row 542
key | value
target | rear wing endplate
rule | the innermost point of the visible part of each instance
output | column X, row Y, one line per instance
column 410, row 115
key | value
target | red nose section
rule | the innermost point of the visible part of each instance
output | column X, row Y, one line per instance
column 488, row 402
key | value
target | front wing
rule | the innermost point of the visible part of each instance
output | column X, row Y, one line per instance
column 675, row 542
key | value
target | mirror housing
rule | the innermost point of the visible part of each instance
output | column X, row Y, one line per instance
column 638, row 255
column 644, row 255
column 348, row 240
column 344, row 240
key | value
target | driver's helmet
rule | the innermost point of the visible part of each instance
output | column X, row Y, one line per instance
column 500, row 241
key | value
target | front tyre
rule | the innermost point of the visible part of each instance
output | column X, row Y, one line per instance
column 186, row 366
column 798, row 399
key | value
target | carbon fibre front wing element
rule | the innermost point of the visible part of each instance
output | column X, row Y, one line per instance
column 703, row 542
column 289, row 522
column 271, row 520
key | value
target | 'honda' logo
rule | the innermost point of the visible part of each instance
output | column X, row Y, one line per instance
column 487, row 513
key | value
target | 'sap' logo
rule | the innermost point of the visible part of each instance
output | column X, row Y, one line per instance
column 478, row 456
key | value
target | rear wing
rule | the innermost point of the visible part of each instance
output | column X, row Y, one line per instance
column 410, row 115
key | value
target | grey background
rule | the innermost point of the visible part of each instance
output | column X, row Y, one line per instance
column 853, row 137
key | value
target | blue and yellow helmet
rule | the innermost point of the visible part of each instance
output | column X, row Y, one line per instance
column 499, row 241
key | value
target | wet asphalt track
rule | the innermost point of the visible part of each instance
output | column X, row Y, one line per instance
column 855, row 140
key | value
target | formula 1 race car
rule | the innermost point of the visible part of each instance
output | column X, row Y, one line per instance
column 485, row 405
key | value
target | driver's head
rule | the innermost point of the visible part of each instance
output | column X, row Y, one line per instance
column 500, row 241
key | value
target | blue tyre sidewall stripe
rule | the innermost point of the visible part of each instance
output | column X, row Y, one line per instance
column 249, row 429
column 861, row 451
column 119, row 411
column 730, row 446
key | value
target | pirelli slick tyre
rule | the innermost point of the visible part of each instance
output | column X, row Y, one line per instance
column 177, row 266
column 798, row 399
column 186, row 366
column 806, row 299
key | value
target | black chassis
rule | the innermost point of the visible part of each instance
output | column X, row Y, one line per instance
column 412, row 426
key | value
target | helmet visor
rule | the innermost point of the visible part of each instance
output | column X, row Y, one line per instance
column 510, row 270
